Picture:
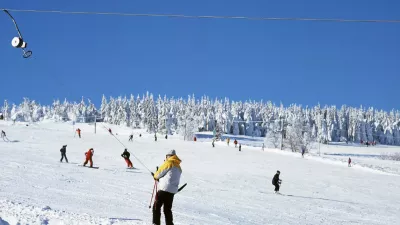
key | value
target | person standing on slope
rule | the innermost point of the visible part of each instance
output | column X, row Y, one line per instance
column 126, row 156
column 349, row 162
column 63, row 151
column 168, row 177
column 303, row 151
column 89, row 155
column 109, row 130
column 235, row 142
column 155, row 137
column 131, row 137
column 3, row 134
column 79, row 132
column 276, row 181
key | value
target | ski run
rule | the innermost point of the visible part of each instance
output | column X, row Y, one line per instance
column 224, row 185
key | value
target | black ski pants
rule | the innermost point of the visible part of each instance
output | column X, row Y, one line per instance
column 63, row 155
column 276, row 187
column 166, row 199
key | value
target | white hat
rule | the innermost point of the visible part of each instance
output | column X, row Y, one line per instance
column 172, row 152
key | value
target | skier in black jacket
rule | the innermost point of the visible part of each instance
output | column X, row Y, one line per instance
column 63, row 151
column 126, row 156
column 276, row 181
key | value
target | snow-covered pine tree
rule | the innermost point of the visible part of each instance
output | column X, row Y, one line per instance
column 6, row 110
column 103, row 107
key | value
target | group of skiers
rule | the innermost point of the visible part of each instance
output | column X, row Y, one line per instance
column 368, row 143
column 227, row 142
column 89, row 156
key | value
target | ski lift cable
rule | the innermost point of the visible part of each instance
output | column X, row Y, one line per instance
column 126, row 148
column 207, row 17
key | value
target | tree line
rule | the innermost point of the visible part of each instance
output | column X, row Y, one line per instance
column 252, row 118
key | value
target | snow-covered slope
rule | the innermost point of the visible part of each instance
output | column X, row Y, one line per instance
column 225, row 186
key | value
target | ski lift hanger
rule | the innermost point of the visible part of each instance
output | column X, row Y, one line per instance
column 18, row 42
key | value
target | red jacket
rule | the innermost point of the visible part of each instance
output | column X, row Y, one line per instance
column 89, row 153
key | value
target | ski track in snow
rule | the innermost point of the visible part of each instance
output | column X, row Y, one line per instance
column 225, row 186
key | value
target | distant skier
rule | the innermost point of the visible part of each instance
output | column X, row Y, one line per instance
column 3, row 134
column 228, row 140
column 166, row 136
column 126, row 156
column 63, row 151
column 109, row 130
column 276, row 181
column 349, row 162
column 79, row 132
column 213, row 143
column 168, row 177
column 131, row 137
column 303, row 151
column 140, row 135
column 262, row 147
column 195, row 139
column 235, row 142
column 89, row 155
column 155, row 137
column 240, row 147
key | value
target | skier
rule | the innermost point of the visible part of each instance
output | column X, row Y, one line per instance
column 79, row 132
column 166, row 136
column 140, row 135
column 349, row 162
column 303, row 150
column 235, row 142
column 3, row 134
column 195, row 139
column 126, row 156
column 89, row 155
column 228, row 140
column 213, row 143
column 109, row 130
column 155, row 137
column 263, row 147
column 63, row 151
column 240, row 147
column 131, row 137
column 276, row 181
column 168, row 177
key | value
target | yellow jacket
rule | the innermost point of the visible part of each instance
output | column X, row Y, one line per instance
column 169, row 175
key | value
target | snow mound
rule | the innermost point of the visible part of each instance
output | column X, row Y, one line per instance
column 19, row 214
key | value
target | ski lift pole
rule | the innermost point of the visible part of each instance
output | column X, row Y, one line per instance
column 18, row 42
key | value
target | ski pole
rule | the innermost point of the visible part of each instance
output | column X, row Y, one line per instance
column 154, row 187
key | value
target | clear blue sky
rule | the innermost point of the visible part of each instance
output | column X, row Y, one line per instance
column 288, row 61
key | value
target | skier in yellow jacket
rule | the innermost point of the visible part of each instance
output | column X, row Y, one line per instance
column 168, row 177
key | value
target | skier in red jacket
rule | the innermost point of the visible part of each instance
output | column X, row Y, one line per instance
column 89, row 155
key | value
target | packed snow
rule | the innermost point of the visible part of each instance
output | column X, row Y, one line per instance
column 225, row 186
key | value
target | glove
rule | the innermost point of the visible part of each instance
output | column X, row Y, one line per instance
column 153, row 176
